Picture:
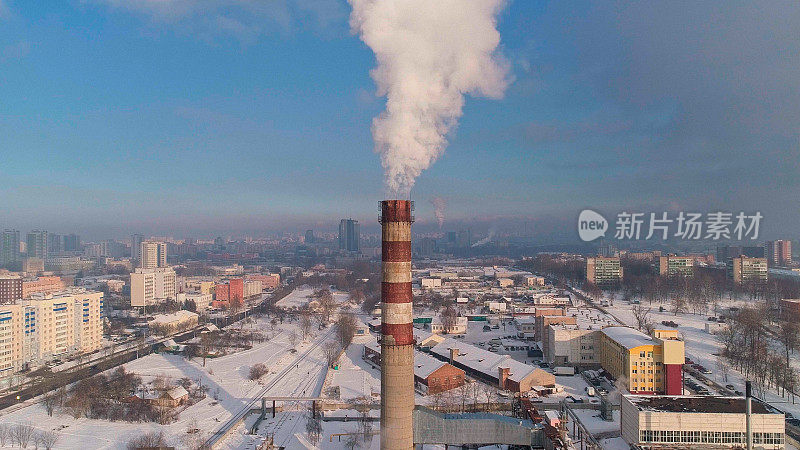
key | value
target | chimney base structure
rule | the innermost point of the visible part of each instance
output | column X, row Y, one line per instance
column 397, row 335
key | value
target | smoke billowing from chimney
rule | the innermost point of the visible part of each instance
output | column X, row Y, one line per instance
column 429, row 54
column 439, row 206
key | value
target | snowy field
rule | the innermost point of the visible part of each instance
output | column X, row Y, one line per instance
column 226, row 377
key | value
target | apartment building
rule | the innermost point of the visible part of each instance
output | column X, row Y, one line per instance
column 651, row 365
column 671, row 266
column 251, row 288
column 10, row 288
column 779, row 253
column 604, row 271
column 269, row 281
column 658, row 422
column 35, row 330
column 153, row 255
column 151, row 286
column 202, row 301
column 42, row 285
column 748, row 270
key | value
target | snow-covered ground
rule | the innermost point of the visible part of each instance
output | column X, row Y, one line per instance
column 226, row 377
column 702, row 347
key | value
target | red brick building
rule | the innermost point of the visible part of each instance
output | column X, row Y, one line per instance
column 10, row 288
column 430, row 374
column 224, row 293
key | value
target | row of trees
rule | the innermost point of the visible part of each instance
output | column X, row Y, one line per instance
column 24, row 434
column 762, row 349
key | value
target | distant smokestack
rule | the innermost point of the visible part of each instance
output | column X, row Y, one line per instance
column 397, row 335
column 439, row 205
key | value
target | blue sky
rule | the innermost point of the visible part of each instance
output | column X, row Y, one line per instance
column 223, row 116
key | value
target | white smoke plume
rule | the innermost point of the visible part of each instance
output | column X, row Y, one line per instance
column 429, row 53
column 487, row 239
column 439, row 206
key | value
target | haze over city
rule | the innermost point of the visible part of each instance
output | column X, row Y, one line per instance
column 246, row 118
column 475, row 224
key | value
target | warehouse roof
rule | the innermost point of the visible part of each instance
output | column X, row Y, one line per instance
column 697, row 404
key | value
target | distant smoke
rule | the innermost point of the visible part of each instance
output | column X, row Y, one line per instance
column 439, row 205
column 487, row 239
column 430, row 53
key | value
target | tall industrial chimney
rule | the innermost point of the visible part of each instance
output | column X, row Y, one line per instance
column 397, row 336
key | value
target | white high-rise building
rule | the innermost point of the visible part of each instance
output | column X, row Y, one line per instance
column 151, row 286
column 153, row 254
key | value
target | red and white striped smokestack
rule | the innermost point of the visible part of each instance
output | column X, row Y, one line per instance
column 397, row 340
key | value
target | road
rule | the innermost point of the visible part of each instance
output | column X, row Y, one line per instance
column 85, row 370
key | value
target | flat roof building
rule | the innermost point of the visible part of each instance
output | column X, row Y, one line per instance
column 651, row 365
column 698, row 422
column 748, row 270
column 603, row 271
column 671, row 265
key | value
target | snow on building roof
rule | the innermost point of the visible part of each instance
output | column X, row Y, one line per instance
column 176, row 392
column 627, row 337
column 424, row 364
column 482, row 360
column 177, row 316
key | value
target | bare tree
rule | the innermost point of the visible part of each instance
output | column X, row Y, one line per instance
column 148, row 440
column 448, row 318
column 49, row 439
column 5, row 433
column 258, row 370
column 50, row 401
column 346, row 329
column 314, row 428
column 489, row 393
column 293, row 339
column 331, row 351
column 22, row 433
column 305, row 323
column 642, row 316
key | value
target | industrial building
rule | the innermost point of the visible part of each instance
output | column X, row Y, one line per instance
column 572, row 345
column 698, row 422
column 500, row 370
column 651, row 365
column 431, row 376
column 604, row 271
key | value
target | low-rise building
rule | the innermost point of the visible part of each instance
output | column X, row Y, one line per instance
column 171, row 323
column 501, row 370
column 431, row 376
column 201, row 301
column 269, row 281
column 458, row 326
column 430, row 283
column 698, row 422
column 534, row 280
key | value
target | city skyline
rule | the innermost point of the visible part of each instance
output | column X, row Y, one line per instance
column 230, row 120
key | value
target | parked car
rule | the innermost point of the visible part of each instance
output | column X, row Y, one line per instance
column 729, row 387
